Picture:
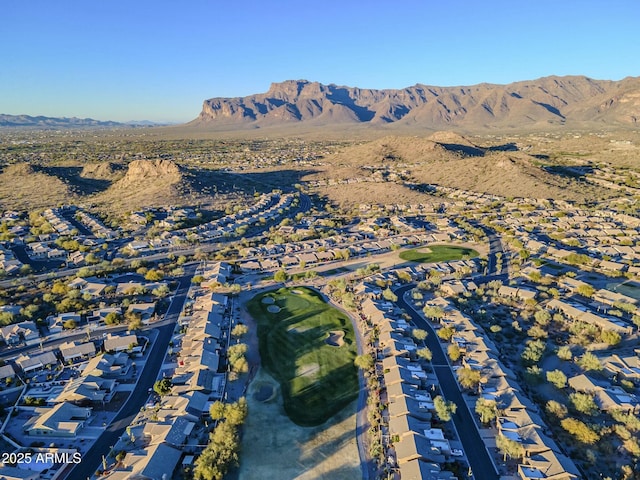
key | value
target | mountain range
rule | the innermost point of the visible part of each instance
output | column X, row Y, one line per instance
column 41, row 122
column 546, row 102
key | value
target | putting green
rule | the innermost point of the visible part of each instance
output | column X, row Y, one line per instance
column 438, row 253
column 317, row 380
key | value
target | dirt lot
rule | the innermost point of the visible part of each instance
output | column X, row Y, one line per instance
column 273, row 447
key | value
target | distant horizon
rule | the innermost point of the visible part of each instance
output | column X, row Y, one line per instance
column 159, row 60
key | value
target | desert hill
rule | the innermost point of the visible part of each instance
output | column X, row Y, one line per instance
column 451, row 160
column 147, row 183
column 25, row 186
column 550, row 101
column 101, row 170
column 115, row 187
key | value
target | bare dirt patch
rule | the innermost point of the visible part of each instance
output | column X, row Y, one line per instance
column 335, row 338
column 273, row 447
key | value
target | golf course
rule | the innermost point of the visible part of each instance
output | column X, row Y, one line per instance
column 438, row 253
column 308, row 346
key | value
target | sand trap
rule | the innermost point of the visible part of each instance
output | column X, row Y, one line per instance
column 268, row 300
column 264, row 392
column 273, row 308
column 308, row 370
column 297, row 292
column 294, row 329
column 335, row 338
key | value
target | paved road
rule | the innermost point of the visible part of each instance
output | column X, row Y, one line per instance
column 93, row 458
column 474, row 448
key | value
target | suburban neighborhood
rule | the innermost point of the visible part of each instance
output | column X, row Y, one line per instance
column 434, row 292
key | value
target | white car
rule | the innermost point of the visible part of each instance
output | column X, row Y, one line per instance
column 456, row 452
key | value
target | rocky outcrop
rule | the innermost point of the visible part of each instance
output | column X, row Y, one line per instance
column 141, row 171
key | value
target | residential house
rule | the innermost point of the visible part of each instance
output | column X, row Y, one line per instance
column 157, row 461
column 7, row 374
column 74, row 351
column 145, row 310
column 108, row 366
column 56, row 324
column 87, row 390
column 26, row 332
column 30, row 363
column 61, row 420
column 120, row 343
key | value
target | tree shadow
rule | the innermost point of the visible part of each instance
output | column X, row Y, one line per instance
column 578, row 172
column 476, row 151
column 77, row 183
column 221, row 181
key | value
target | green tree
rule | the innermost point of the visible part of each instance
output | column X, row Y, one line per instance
column 220, row 454
column 154, row 275
column 69, row 324
column 217, row 410
column 580, row 430
column 444, row 408
column 589, row 362
column 583, row 403
column 446, row 333
column 486, row 409
column 433, row 312
column 419, row 334
column 162, row 387
column 509, row 448
column 161, row 291
column 556, row 409
column 364, row 362
column 387, row 294
column 425, row 353
column 112, row 318
column 134, row 322
column 536, row 331
column 236, row 351
column 469, row 378
column 454, row 352
column 557, row 378
column 280, row 276
column 564, row 353
column 586, row 290
column 610, row 337
column 533, row 352
column 236, row 413
column 542, row 317
column 239, row 330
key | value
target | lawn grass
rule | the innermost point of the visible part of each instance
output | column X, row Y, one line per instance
column 317, row 380
column 438, row 253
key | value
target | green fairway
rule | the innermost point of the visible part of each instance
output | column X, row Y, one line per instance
column 309, row 347
column 438, row 253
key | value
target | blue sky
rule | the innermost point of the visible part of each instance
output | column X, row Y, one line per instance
column 158, row 60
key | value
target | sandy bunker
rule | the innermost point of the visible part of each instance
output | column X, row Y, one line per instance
column 335, row 338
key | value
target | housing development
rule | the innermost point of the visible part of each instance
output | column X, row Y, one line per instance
column 468, row 336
